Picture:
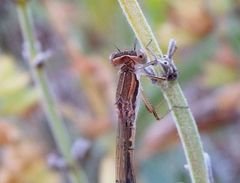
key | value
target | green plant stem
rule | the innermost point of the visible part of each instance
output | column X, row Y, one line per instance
column 183, row 117
column 59, row 131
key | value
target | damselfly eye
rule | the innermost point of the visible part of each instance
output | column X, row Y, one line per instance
column 165, row 63
column 141, row 57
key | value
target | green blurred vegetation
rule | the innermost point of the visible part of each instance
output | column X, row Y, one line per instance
column 81, row 35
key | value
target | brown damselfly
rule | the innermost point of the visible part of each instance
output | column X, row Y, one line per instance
column 131, row 63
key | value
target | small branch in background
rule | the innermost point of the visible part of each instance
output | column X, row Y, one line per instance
column 80, row 150
column 56, row 123
column 173, row 94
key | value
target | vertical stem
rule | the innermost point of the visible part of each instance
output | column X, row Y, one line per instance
column 183, row 117
column 58, row 128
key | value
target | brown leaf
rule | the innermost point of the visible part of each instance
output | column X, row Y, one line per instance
column 8, row 133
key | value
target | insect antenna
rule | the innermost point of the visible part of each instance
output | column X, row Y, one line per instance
column 148, row 49
column 147, row 45
column 117, row 48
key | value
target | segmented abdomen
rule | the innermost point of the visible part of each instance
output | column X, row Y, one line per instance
column 127, row 92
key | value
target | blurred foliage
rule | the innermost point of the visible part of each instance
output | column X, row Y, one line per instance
column 81, row 34
column 16, row 96
column 21, row 159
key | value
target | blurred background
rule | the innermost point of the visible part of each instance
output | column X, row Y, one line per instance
column 81, row 35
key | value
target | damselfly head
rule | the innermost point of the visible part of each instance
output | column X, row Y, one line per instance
column 141, row 57
column 137, row 56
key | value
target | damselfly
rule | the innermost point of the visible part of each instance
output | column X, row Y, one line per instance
column 131, row 63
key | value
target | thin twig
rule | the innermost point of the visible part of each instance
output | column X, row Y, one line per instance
column 173, row 94
column 60, row 133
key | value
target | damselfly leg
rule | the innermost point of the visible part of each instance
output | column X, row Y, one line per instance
column 149, row 106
